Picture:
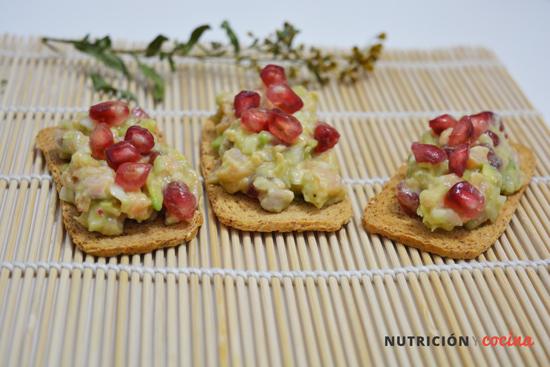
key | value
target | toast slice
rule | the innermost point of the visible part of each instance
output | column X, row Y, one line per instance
column 244, row 213
column 137, row 238
column 384, row 216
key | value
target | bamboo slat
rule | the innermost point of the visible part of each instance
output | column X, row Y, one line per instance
column 239, row 298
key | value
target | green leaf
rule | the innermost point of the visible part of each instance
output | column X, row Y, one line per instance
column 154, row 47
column 82, row 43
column 155, row 80
column 172, row 63
column 232, row 36
column 102, row 86
column 184, row 48
column 101, row 50
column 104, row 43
column 126, row 94
column 113, row 61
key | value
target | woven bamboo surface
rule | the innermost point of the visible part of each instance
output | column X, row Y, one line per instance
column 238, row 298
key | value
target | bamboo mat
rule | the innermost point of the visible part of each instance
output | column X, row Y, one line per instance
column 238, row 298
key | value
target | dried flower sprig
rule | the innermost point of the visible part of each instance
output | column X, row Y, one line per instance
column 317, row 64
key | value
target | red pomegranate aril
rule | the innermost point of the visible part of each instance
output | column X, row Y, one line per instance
column 252, row 192
column 285, row 127
column 244, row 100
column 256, row 119
column 494, row 159
column 427, row 153
column 179, row 201
column 112, row 113
column 326, row 137
column 481, row 122
column 465, row 199
column 441, row 123
column 458, row 157
column 462, row 132
column 121, row 152
column 132, row 176
column 408, row 199
column 494, row 137
column 273, row 74
column 139, row 113
column 141, row 138
column 100, row 139
column 284, row 98
column 153, row 155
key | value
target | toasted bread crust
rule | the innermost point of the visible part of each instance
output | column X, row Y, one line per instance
column 384, row 216
column 244, row 213
column 137, row 237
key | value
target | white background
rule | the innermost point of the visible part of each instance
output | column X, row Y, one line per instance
column 518, row 31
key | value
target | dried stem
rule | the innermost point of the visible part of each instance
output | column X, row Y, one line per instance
column 304, row 63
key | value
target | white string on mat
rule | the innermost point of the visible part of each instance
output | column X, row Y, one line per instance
column 19, row 178
column 322, row 114
column 410, row 64
column 269, row 275
column 365, row 181
column 345, row 180
column 444, row 64
column 64, row 110
column 382, row 180
column 420, row 114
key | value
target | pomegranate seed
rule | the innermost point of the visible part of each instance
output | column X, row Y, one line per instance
column 441, row 123
column 284, row 127
column 501, row 126
column 326, row 137
column 252, row 192
column 427, row 153
column 121, row 152
column 179, row 201
column 465, row 199
column 283, row 97
column 481, row 122
column 153, row 155
column 112, row 113
column 141, row 138
column 273, row 74
column 458, row 157
column 494, row 137
column 256, row 119
column 462, row 132
column 244, row 100
column 100, row 139
column 407, row 198
column 139, row 113
column 494, row 159
column 132, row 176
